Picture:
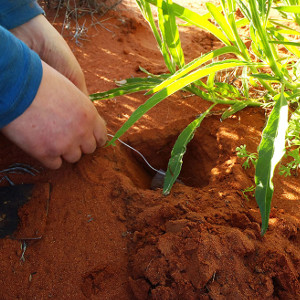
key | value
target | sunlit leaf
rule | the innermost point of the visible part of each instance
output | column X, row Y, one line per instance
column 174, row 87
column 171, row 34
column 179, row 149
column 270, row 152
column 289, row 9
column 233, row 109
column 127, row 86
column 194, row 19
column 194, row 65
column 265, row 76
column 220, row 19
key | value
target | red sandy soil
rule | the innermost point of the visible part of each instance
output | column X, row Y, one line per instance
column 106, row 235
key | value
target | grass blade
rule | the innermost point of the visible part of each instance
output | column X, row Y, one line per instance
column 164, row 46
column 270, row 152
column 226, row 90
column 245, row 82
column 139, row 112
column 291, row 46
column 195, row 19
column 220, row 19
column 245, row 10
column 262, row 35
column 179, row 149
column 171, row 33
column 146, row 10
column 265, row 76
column 211, row 68
column 174, row 87
column 289, row 9
column 285, row 43
column 131, row 85
column 229, row 8
column 283, row 28
column 195, row 64
column 233, row 109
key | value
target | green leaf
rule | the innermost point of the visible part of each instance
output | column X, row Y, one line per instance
column 227, row 90
column 220, row 19
column 265, row 76
column 245, row 82
column 175, row 162
column 270, row 152
column 285, row 43
column 193, row 65
column 164, row 46
column 131, row 85
column 174, row 87
column 139, row 112
column 146, row 10
column 171, row 33
column 286, row 29
column 233, row 109
column 262, row 36
column 195, row 19
column 291, row 46
column 211, row 68
column 245, row 10
column 231, row 4
column 289, row 9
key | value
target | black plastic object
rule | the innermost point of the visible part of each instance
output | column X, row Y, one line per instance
column 11, row 199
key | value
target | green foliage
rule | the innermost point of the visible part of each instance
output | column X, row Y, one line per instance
column 250, row 157
column 128, row 86
column 270, row 152
column 178, row 151
column 250, row 189
column 294, row 164
column 278, row 81
column 291, row 7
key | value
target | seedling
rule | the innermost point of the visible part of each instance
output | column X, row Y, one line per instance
column 251, row 190
column 265, row 77
column 250, row 157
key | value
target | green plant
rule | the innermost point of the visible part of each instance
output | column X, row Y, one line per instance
column 260, row 65
column 290, row 7
column 250, row 157
column 249, row 189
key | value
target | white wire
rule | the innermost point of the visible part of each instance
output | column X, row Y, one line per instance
column 142, row 156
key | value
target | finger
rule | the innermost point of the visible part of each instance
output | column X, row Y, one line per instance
column 100, row 132
column 73, row 156
column 52, row 163
column 89, row 146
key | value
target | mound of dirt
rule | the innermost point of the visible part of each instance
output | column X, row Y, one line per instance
column 109, row 236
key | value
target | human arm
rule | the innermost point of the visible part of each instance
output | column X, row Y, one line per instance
column 61, row 123
column 25, row 20
column 49, row 122
column 44, row 39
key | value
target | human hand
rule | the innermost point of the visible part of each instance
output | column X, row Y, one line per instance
column 61, row 123
column 43, row 38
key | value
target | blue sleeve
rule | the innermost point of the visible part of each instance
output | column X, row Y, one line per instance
column 17, row 12
column 21, row 74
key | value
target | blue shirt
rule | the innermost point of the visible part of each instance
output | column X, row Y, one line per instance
column 20, row 67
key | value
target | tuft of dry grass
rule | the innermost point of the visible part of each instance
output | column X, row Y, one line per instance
column 100, row 7
column 74, row 10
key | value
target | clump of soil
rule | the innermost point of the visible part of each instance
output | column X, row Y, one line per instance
column 108, row 236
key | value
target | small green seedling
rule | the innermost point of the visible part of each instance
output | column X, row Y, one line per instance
column 250, row 157
column 251, row 190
